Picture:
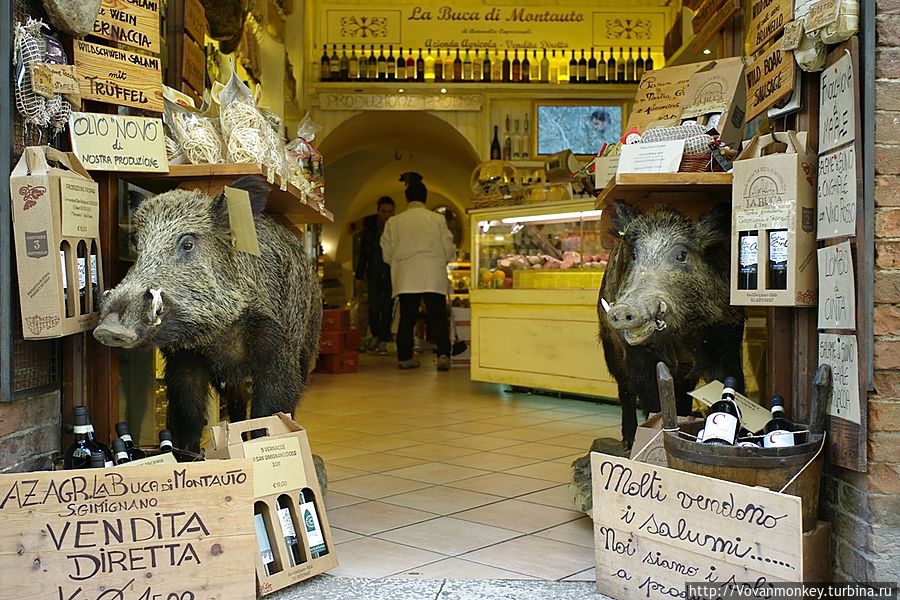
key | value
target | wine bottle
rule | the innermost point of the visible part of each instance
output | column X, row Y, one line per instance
column 325, row 68
column 262, row 540
column 345, row 64
column 429, row 66
column 438, row 67
column 507, row 142
column 592, row 68
column 526, row 151
column 477, row 66
column 373, row 64
column 391, row 64
column 335, row 64
column 620, row 67
column 517, row 142
column 778, row 259
column 611, row 67
column 78, row 454
column 98, row 460
column 525, row 71
column 400, row 72
column 639, row 66
column 554, row 67
column 457, row 67
column 95, row 278
column 746, row 439
column 486, row 66
column 582, row 68
column 120, row 452
column 411, row 66
column 448, row 66
column 165, row 441
column 629, row 68
column 545, row 68
column 420, row 67
column 516, row 67
column 382, row 64
column 748, row 260
column 573, row 69
column 467, row 66
column 82, row 278
column 310, row 515
column 648, row 64
column 601, row 69
column 288, row 530
column 506, row 67
column 124, row 434
column 779, row 431
column 495, row 145
column 535, row 74
column 723, row 420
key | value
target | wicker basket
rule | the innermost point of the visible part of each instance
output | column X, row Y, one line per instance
column 699, row 163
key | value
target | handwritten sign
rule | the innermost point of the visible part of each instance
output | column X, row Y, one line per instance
column 836, row 194
column 195, row 20
column 240, row 219
column 118, row 142
column 119, row 77
column 80, row 208
column 793, row 35
column 769, row 79
column 822, row 13
column 49, row 80
column 655, row 157
column 704, row 13
column 723, row 14
column 101, row 533
column 132, row 22
column 767, row 19
column 841, row 352
column 277, row 464
column 837, row 104
column 753, row 416
column 193, row 66
column 659, row 96
column 837, row 292
column 331, row 101
column 662, row 528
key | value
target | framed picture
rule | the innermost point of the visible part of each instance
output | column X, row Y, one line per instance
column 580, row 126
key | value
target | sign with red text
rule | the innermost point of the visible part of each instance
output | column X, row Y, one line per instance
column 661, row 528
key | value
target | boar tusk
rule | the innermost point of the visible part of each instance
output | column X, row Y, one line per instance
column 660, row 322
column 605, row 304
column 157, row 305
column 662, row 307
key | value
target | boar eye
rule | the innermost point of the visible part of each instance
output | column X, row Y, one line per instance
column 186, row 243
column 681, row 256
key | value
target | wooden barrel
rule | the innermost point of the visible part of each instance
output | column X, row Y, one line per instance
column 767, row 467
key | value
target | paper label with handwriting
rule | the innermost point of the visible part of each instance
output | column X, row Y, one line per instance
column 837, row 289
column 240, row 218
column 842, row 353
column 277, row 465
column 80, row 208
column 753, row 416
column 655, row 157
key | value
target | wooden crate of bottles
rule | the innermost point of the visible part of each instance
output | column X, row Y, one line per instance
column 773, row 233
column 292, row 532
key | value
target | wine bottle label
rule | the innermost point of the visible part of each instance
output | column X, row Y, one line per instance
column 720, row 426
column 778, row 439
column 262, row 538
column 126, row 438
column 287, row 526
column 747, row 444
column 313, row 530
column 82, row 429
column 121, row 456
column 749, row 251
column 778, row 246
column 165, row 444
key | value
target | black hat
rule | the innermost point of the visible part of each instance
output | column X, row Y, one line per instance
column 411, row 177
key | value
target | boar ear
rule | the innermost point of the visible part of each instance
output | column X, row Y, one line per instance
column 256, row 186
column 623, row 215
column 714, row 226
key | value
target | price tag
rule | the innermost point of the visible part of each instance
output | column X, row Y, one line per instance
column 48, row 80
column 240, row 218
column 823, row 12
column 841, row 352
column 277, row 465
column 80, row 208
column 793, row 35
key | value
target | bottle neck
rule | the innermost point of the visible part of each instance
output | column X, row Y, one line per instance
column 777, row 411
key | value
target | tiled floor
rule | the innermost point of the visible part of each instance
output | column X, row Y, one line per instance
column 432, row 475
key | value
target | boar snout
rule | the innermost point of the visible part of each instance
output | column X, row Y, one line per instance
column 637, row 323
column 111, row 332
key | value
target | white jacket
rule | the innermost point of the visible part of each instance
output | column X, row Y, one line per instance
column 418, row 246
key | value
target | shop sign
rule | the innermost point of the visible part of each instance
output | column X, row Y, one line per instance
column 822, row 13
column 841, row 352
column 132, row 22
column 768, row 18
column 705, row 13
column 49, row 80
column 661, row 529
column 837, row 292
column 171, row 531
column 193, row 66
column 333, row 101
column 837, row 106
column 714, row 23
column 769, row 79
column 836, row 194
column 195, row 20
column 119, row 77
column 793, row 35
column 118, row 142
column 659, row 97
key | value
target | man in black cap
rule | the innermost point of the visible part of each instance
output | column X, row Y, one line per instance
column 371, row 269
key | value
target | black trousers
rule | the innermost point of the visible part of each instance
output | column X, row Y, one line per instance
column 381, row 308
column 436, row 318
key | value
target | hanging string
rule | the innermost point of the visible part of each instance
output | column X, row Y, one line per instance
column 809, row 462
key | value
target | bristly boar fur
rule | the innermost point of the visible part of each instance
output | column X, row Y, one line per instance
column 667, row 290
column 245, row 324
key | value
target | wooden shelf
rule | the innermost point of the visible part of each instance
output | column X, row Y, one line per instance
column 631, row 187
column 211, row 179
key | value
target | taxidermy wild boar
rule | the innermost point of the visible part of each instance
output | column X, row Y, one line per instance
column 665, row 297
column 219, row 316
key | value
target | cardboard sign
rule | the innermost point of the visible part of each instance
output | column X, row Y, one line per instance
column 193, row 66
column 837, row 292
column 767, row 19
column 793, row 35
column 277, row 465
column 841, row 352
column 753, row 416
column 659, row 96
column 195, row 20
column 132, row 22
column 822, row 13
column 662, row 528
column 836, row 194
column 655, row 157
column 719, row 88
column 769, row 79
column 119, row 77
column 174, row 531
column 837, row 104
column 80, row 208
column 240, row 218
column 119, row 143
column 49, row 80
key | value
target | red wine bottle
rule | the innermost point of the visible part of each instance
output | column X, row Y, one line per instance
column 310, row 515
column 288, row 530
column 78, row 454
column 723, row 420
column 779, row 431
column 748, row 260
column 778, row 259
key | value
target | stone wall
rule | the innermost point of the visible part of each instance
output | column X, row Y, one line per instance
column 29, row 433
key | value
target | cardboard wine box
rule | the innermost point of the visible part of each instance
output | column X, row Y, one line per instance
column 774, row 197
column 282, row 467
column 718, row 89
column 56, row 225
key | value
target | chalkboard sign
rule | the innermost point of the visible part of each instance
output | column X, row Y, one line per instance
column 181, row 531
column 660, row 529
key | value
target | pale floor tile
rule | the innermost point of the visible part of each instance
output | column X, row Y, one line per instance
column 378, row 443
column 371, row 557
column 335, row 499
column 372, row 517
column 375, row 463
column 339, row 536
column 537, row 450
column 337, row 472
column 589, row 575
column 375, row 486
column 522, row 434
column 482, row 442
column 516, row 515
column 439, row 452
column 502, row 484
column 436, row 473
column 578, row 441
column 331, row 452
column 579, row 531
column 518, row 420
column 441, row 499
column 455, row 568
column 448, row 535
column 557, row 496
column 491, row 461
column 549, row 470
column 542, row 558
column 433, row 435
column 474, row 427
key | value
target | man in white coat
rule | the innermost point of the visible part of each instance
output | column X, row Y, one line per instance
column 417, row 245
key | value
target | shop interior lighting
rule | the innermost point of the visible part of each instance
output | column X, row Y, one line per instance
column 401, row 90
column 707, row 51
column 443, row 90
column 584, row 215
column 485, row 226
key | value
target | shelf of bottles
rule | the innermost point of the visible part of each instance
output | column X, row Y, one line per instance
column 516, row 145
column 482, row 65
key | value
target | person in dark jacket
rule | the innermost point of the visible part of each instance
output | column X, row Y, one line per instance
column 371, row 269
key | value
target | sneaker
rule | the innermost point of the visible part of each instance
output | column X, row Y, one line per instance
column 443, row 362
column 381, row 350
column 412, row 363
column 373, row 344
